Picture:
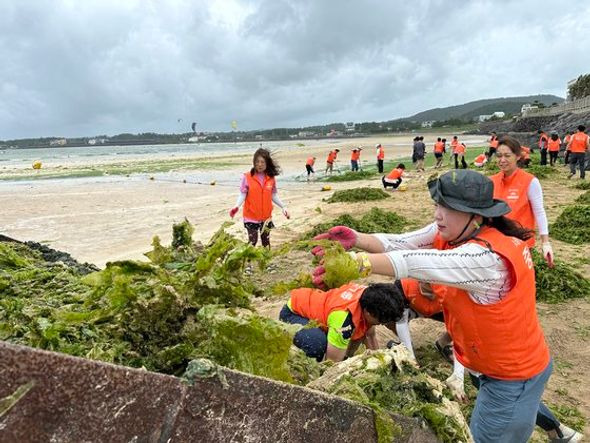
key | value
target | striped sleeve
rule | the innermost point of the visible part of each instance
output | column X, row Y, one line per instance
column 471, row 267
column 420, row 239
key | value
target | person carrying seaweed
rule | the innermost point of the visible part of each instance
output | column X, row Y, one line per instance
column 489, row 307
column 346, row 316
column 258, row 191
column 523, row 193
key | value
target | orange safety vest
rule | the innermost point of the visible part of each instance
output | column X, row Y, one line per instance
column 317, row 305
column 439, row 147
column 332, row 156
column 494, row 141
column 578, row 143
column 526, row 152
column 418, row 302
column 310, row 161
column 459, row 149
column 503, row 340
column 258, row 204
column 395, row 174
column 454, row 145
column 553, row 145
column 381, row 153
column 513, row 190
column 355, row 155
column 542, row 140
column 480, row 158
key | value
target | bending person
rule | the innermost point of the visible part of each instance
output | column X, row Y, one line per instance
column 394, row 178
column 523, row 193
column 346, row 316
column 489, row 307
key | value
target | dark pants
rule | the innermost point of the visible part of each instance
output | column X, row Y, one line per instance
column 380, row 165
column 309, row 169
column 553, row 157
column 491, row 152
column 543, row 156
column 394, row 185
column 354, row 165
column 463, row 162
column 312, row 341
column 580, row 159
column 545, row 418
column 566, row 159
column 254, row 228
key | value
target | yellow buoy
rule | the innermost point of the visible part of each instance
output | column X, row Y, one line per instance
column 403, row 187
column 326, row 188
column 37, row 164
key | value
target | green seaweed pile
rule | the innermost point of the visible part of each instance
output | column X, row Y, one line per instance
column 376, row 220
column 340, row 267
column 350, row 176
column 189, row 301
column 560, row 283
column 583, row 185
column 583, row 199
column 541, row 171
column 358, row 195
column 572, row 225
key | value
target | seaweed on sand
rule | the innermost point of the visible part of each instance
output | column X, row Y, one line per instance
column 358, row 195
column 560, row 283
column 572, row 225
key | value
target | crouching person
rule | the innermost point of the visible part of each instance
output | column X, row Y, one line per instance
column 345, row 317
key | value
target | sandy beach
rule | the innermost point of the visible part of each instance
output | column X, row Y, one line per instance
column 111, row 218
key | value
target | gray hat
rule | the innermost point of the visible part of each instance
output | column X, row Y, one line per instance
column 467, row 191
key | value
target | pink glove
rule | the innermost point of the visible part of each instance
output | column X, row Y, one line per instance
column 318, row 277
column 345, row 236
column 233, row 211
column 548, row 253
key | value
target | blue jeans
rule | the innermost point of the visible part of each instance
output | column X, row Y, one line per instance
column 505, row 411
column 312, row 341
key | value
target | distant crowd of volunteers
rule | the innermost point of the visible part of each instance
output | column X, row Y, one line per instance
column 471, row 268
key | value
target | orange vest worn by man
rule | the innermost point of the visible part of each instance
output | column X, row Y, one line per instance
column 578, row 142
column 395, row 174
column 310, row 161
column 515, row 347
column 454, row 144
column 513, row 190
column 380, row 153
column 258, row 204
column 317, row 305
column 355, row 155
column 419, row 302
column 438, row 147
column 332, row 156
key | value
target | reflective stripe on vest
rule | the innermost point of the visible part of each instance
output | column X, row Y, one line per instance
column 258, row 204
column 503, row 340
column 513, row 190
column 317, row 305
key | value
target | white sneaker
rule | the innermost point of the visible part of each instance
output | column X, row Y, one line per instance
column 569, row 435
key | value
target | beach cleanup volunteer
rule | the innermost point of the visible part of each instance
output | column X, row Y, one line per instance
column 258, row 191
column 439, row 149
column 345, row 315
column 481, row 160
column 523, row 193
column 553, row 146
column 355, row 158
column 309, row 166
column 578, row 146
column 493, row 144
column 543, row 139
column 380, row 157
column 567, row 140
column 459, row 151
column 332, row 155
column 394, row 178
column 489, row 307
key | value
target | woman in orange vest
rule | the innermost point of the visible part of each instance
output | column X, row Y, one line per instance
column 355, row 158
column 493, row 144
column 553, row 146
column 258, row 190
column 346, row 316
column 459, row 150
column 578, row 146
column 543, row 139
column 309, row 166
column 394, row 178
column 525, row 159
column 523, row 193
column 481, row 159
column 489, row 305
column 332, row 156
column 380, row 157
column 439, row 149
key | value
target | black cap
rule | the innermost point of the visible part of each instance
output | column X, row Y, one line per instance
column 467, row 191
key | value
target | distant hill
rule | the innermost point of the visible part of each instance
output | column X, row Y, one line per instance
column 469, row 110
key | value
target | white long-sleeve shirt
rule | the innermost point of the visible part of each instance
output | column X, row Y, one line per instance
column 471, row 266
column 535, row 196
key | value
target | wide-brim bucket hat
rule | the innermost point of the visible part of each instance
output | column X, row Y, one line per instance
column 467, row 191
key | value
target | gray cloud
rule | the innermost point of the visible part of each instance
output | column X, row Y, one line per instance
column 93, row 67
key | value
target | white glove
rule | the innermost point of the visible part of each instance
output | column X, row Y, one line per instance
column 548, row 254
column 286, row 213
column 455, row 384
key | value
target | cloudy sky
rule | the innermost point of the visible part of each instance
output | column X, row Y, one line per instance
column 87, row 67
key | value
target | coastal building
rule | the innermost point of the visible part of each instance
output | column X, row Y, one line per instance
column 428, row 123
column 526, row 108
column 58, row 142
column 349, row 127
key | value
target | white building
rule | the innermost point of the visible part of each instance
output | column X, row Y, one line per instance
column 428, row 123
column 349, row 127
column 483, row 117
column 58, row 142
column 499, row 114
column 527, row 107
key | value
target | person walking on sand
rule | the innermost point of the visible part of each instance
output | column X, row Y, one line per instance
column 394, row 178
column 258, row 191
column 543, row 140
column 459, row 151
column 309, row 167
column 553, row 146
column 332, row 156
column 380, row 157
column 419, row 153
column 345, row 316
column 489, row 307
column 567, row 140
column 355, row 158
column 438, row 150
column 523, row 193
column 578, row 146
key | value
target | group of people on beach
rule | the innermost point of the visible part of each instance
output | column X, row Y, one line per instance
column 470, row 268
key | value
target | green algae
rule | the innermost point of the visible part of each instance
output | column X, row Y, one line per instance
column 572, row 225
column 182, row 234
column 350, row 176
column 560, row 283
column 340, row 267
column 583, row 199
column 357, row 195
column 583, row 185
